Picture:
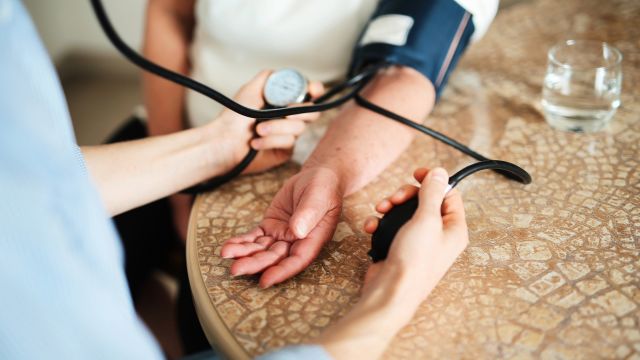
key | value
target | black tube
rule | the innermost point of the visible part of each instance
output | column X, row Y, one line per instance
column 514, row 170
column 436, row 135
column 433, row 133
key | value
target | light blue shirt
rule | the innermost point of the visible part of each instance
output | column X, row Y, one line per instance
column 63, row 291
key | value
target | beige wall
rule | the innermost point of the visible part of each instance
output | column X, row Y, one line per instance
column 68, row 26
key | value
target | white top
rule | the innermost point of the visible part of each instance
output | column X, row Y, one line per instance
column 236, row 39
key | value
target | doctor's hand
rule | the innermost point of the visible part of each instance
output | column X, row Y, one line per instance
column 421, row 253
column 276, row 138
column 300, row 220
column 428, row 244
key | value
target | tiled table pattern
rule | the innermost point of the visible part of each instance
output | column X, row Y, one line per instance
column 552, row 270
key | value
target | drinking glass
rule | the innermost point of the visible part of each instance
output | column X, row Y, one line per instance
column 581, row 90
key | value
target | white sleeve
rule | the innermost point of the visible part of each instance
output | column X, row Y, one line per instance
column 483, row 12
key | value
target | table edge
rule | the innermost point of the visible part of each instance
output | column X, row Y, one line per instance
column 209, row 318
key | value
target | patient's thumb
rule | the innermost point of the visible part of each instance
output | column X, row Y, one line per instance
column 309, row 212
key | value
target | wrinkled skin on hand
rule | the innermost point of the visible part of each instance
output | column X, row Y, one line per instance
column 300, row 220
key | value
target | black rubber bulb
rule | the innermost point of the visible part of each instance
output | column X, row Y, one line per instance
column 392, row 221
column 388, row 227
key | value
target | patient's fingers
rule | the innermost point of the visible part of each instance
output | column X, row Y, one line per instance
column 301, row 254
column 246, row 237
column 235, row 250
column 261, row 260
column 243, row 244
column 281, row 127
column 230, row 251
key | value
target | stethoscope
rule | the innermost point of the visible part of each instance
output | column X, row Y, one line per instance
column 287, row 86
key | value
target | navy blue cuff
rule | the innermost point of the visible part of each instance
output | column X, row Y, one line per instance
column 439, row 32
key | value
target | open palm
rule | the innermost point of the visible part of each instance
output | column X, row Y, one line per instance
column 300, row 220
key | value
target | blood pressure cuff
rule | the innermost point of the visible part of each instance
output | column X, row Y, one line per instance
column 427, row 35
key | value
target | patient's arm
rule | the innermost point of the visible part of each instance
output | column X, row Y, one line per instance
column 359, row 143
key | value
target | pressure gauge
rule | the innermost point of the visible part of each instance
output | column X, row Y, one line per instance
column 285, row 87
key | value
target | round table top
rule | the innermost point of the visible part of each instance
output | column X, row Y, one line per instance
column 552, row 269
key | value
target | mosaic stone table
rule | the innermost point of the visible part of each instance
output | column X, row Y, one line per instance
column 552, row 270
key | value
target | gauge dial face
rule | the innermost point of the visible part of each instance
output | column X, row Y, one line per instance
column 285, row 87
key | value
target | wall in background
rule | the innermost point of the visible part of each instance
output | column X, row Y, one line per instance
column 101, row 87
column 69, row 26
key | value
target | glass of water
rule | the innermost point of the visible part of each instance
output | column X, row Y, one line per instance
column 581, row 90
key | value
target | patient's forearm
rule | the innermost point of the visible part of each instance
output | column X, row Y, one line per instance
column 133, row 173
column 359, row 144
